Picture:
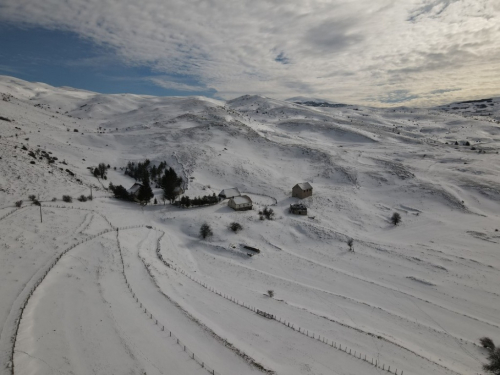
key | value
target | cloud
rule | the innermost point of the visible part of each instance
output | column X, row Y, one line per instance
column 364, row 51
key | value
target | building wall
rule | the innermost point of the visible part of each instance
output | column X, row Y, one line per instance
column 299, row 193
column 239, row 207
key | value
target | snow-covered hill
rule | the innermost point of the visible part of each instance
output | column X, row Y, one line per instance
column 415, row 297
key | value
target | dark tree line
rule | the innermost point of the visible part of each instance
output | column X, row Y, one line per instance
column 198, row 201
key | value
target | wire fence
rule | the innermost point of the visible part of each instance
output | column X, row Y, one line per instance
column 38, row 282
column 190, row 353
column 10, row 213
column 356, row 354
column 176, row 339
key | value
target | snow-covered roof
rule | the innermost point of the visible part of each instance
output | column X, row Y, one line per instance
column 135, row 188
column 242, row 199
column 304, row 185
column 229, row 193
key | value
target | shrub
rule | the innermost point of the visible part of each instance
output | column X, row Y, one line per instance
column 155, row 201
column 19, row 203
column 89, row 197
column 267, row 213
column 467, row 143
column 396, row 218
column 54, row 199
column 235, row 227
column 206, row 231
column 270, row 293
column 67, row 198
column 82, row 198
column 36, row 202
column 32, row 197
column 494, row 362
column 487, row 343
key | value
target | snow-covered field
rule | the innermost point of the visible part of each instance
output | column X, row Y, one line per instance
column 415, row 297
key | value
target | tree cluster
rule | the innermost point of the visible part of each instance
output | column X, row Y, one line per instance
column 101, row 171
column 185, row 201
column 120, row 192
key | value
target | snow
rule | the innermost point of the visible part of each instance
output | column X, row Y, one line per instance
column 415, row 297
column 230, row 193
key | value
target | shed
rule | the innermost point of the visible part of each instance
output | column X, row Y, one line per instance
column 302, row 190
column 134, row 190
column 298, row 209
column 240, row 203
column 229, row 193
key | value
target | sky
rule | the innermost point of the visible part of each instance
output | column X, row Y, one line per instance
column 368, row 52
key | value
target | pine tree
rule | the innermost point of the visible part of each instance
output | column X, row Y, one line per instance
column 145, row 192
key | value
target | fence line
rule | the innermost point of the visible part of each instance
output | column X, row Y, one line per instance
column 287, row 324
column 11, row 212
column 38, row 282
column 190, row 353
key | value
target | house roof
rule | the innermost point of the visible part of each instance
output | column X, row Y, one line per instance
column 241, row 199
column 304, row 185
column 229, row 193
column 135, row 188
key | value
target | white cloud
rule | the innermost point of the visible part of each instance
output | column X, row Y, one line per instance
column 361, row 51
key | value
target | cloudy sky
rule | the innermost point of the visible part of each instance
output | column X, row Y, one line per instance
column 372, row 52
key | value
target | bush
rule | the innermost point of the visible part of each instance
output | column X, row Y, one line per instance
column 67, row 198
column 54, row 199
column 487, row 343
column 396, row 218
column 36, row 202
column 32, row 197
column 350, row 243
column 19, row 203
column 206, row 231
column 89, row 197
column 267, row 213
column 270, row 293
column 235, row 227
column 155, row 201
column 494, row 362
column 82, row 198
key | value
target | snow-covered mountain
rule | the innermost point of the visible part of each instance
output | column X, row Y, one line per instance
column 415, row 297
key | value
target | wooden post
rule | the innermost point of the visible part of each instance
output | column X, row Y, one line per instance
column 41, row 221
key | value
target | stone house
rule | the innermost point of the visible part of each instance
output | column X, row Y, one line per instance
column 240, row 203
column 302, row 190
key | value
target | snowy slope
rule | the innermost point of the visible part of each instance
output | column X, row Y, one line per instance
column 415, row 297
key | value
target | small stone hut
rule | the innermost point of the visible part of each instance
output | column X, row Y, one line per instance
column 298, row 209
column 302, row 190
